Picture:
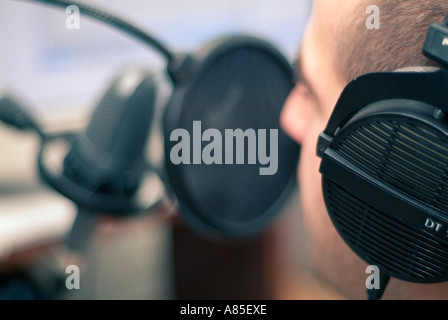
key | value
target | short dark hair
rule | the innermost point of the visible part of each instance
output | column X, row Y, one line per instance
column 397, row 44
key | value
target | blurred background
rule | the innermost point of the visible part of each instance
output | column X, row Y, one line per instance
column 61, row 73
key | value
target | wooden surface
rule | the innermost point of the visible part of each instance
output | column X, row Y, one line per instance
column 204, row 269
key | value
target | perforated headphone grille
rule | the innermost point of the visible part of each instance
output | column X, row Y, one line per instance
column 410, row 157
column 397, row 247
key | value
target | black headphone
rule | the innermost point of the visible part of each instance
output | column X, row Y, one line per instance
column 385, row 167
column 236, row 82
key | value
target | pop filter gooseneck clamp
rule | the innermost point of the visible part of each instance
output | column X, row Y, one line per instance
column 174, row 61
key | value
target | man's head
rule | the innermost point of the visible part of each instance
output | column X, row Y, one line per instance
column 336, row 48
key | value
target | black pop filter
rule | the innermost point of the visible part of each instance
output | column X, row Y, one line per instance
column 234, row 83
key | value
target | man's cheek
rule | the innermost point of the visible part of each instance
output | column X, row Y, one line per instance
column 309, row 176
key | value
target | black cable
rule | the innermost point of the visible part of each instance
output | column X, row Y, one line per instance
column 114, row 21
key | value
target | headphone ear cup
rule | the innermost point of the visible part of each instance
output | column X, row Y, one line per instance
column 234, row 83
column 385, row 173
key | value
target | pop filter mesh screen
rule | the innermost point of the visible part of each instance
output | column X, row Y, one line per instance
column 243, row 88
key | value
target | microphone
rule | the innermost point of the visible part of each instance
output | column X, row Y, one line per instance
column 105, row 167
column 106, row 160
